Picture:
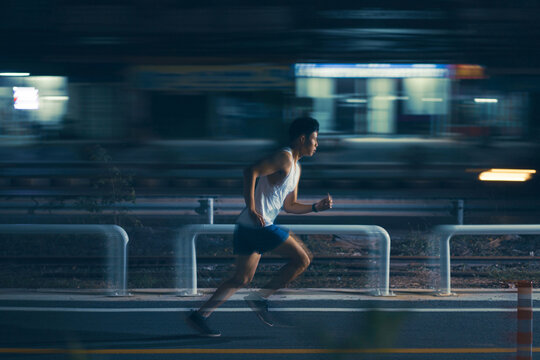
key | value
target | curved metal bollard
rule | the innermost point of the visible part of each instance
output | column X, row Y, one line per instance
column 444, row 234
column 187, row 254
column 114, row 234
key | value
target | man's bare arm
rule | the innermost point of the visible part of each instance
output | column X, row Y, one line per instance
column 291, row 204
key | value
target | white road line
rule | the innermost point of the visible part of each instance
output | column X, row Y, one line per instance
column 299, row 309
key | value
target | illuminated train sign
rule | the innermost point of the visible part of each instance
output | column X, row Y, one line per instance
column 389, row 71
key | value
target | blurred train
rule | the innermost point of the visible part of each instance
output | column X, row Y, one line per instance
column 406, row 128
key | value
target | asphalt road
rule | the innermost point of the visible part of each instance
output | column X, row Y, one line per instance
column 313, row 326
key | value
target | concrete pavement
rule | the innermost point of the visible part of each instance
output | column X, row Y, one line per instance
column 312, row 324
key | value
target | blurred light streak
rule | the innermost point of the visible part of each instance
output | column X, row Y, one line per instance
column 485, row 100
column 506, row 175
column 432, row 99
column 361, row 101
column 390, row 98
column 55, row 98
column 405, row 140
column 14, row 74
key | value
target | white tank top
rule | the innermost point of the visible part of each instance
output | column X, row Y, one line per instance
column 269, row 198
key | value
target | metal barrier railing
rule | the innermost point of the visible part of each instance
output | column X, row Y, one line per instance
column 444, row 234
column 117, row 252
column 187, row 254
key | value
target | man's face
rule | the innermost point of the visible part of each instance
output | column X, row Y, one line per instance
column 311, row 143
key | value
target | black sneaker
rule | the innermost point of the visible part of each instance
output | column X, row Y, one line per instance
column 260, row 306
column 198, row 323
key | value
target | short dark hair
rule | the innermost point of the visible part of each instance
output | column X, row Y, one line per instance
column 302, row 126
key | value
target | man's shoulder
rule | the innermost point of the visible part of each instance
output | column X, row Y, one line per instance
column 284, row 157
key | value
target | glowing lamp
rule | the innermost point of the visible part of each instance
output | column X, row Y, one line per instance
column 506, row 175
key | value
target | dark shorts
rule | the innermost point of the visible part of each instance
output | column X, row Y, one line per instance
column 248, row 240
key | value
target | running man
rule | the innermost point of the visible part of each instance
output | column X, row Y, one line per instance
column 256, row 233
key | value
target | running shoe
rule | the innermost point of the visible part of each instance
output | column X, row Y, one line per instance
column 260, row 306
column 198, row 323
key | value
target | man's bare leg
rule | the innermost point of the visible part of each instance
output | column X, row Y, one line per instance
column 245, row 269
column 299, row 259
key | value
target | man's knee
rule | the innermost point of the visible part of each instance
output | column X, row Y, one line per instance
column 303, row 260
column 307, row 260
column 309, row 255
